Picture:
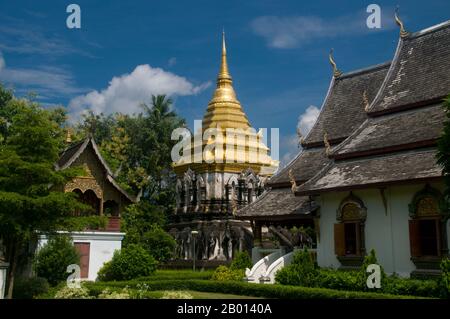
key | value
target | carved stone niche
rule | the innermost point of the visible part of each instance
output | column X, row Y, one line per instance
column 352, row 210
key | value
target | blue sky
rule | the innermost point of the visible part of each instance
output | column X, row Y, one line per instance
column 127, row 50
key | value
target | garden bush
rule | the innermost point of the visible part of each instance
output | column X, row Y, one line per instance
column 223, row 273
column 414, row 287
column 73, row 293
column 171, row 294
column 28, row 288
column 241, row 260
column 241, row 288
column 335, row 279
column 162, row 274
column 52, row 260
column 129, row 263
column 445, row 278
column 302, row 271
column 158, row 243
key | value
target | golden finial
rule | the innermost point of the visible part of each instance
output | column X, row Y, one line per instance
column 327, row 144
column 336, row 71
column 68, row 136
column 293, row 182
column 403, row 32
column 301, row 139
column 223, row 73
column 366, row 101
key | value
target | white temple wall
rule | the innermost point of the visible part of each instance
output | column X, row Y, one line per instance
column 102, row 247
column 386, row 230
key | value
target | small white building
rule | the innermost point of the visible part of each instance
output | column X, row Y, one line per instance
column 98, row 189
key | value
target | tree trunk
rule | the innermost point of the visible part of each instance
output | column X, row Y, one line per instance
column 13, row 266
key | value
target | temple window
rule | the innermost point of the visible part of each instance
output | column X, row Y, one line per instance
column 349, row 231
column 426, row 227
column 89, row 198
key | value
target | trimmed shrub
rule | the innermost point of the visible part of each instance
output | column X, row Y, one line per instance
column 176, row 295
column 111, row 294
column 243, row 289
column 158, row 243
column 335, row 279
column 28, row 288
column 445, row 278
column 73, row 293
column 242, row 261
column 129, row 263
column 52, row 260
column 300, row 272
column 414, row 287
column 223, row 273
column 161, row 274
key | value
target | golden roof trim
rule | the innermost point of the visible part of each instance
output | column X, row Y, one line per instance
column 403, row 32
column 336, row 71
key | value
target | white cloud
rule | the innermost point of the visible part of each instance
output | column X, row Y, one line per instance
column 290, row 144
column 306, row 120
column 20, row 37
column 46, row 81
column 293, row 31
column 126, row 92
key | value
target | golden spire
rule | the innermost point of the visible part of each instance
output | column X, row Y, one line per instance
column 336, row 71
column 224, row 75
column 238, row 145
column 403, row 32
column 224, row 109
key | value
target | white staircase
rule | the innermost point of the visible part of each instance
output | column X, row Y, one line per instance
column 259, row 269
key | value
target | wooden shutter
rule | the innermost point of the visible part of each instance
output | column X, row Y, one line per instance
column 84, row 251
column 439, row 236
column 414, row 238
column 339, row 239
column 358, row 239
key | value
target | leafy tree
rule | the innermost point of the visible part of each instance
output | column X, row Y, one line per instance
column 52, row 260
column 29, row 199
column 129, row 263
column 241, row 260
column 443, row 155
column 143, row 224
column 302, row 271
column 158, row 243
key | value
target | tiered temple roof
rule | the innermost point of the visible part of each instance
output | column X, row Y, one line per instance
column 342, row 111
column 70, row 155
column 397, row 143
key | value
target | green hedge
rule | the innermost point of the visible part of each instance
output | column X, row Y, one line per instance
column 241, row 288
column 178, row 274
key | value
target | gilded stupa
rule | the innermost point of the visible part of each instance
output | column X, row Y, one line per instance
column 231, row 144
column 224, row 167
